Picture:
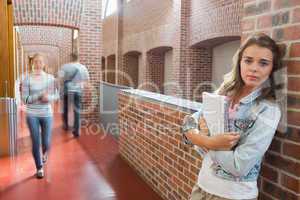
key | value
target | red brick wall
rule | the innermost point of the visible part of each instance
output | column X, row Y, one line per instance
column 198, row 37
column 158, row 25
column 213, row 19
column 109, row 35
column 151, row 16
column 281, row 169
column 150, row 141
column 56, row 12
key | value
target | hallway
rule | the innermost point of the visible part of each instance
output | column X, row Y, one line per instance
column 88, row 168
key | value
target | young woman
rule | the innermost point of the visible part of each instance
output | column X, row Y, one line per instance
column 232, row 164
column 38, row 91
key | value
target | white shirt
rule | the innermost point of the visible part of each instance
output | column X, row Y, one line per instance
column 212, row 184
column 76, row 73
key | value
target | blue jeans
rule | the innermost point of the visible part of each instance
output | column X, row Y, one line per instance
column 76, row 105
column 40, row 130
column 77, row 101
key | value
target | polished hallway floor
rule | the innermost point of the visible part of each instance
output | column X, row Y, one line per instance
column 88, row 168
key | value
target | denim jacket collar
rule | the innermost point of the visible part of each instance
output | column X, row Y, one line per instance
column 251, row 97
column 255, row 93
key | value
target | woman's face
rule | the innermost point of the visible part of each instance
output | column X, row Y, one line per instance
column 38, row 63
column 256, row 66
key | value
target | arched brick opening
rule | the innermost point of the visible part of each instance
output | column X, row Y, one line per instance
column 103, row 68
column 110, row 72
column 200, row 71
column 222, row 60
column 131, row 67
column 155, row 69
column 54, row 42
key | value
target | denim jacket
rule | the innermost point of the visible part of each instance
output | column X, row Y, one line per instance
column 256, row 122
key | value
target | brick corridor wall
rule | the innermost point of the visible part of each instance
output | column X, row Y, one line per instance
column 150, row 141
column 109, row 35
column 281, row 168
column 158, row 27
column 222, row 18
column 151, row 15
column 163, row 24
column 54, row 37
column 75, row 14
column 198, row 37
column 55, row 12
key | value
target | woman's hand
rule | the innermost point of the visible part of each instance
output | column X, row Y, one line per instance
column 223, row 141
column 44, row 98
column 198, row 138
column 203, row 126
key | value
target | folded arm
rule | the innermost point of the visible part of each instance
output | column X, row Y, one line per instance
column 26, row 96
column 242, row 159
column 195, row 131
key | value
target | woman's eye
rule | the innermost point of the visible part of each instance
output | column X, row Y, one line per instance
column 263, row 64
column 247, row 61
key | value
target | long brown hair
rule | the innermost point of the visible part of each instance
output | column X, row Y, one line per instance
column 233, row 82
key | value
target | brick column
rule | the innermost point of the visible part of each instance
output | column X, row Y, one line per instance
column 119, row 56
column 90, row 52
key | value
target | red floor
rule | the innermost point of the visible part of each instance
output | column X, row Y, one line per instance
column 87, row 168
